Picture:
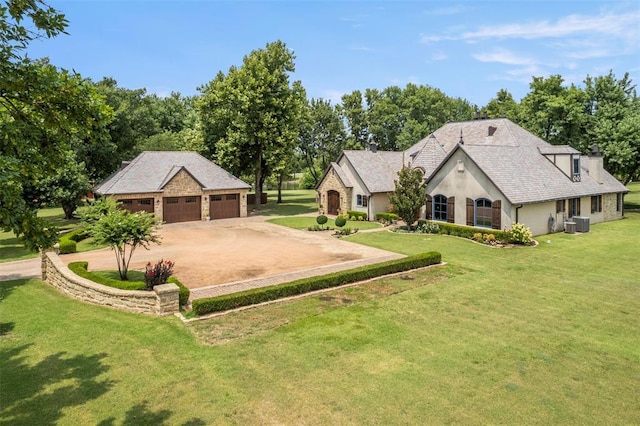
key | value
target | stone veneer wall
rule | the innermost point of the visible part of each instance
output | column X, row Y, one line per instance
column 163, row 300
column 609, row 206
column 331, row 182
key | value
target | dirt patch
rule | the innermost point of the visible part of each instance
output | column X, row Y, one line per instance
column 223, row 251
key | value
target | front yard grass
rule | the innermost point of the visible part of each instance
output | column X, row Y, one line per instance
column 632, row 199
column 294, row 202
column 536, row 335
column 306, row 221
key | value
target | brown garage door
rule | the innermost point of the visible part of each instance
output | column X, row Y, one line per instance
column 181, row 209
column 138, row 205
column 223, row 206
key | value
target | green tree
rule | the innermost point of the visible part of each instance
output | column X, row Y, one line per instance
column 42, row 111
column 409, row 195
column 252, row 113
column 503, row 105
column 322, row 136
column 353, row 112
column 68, row 186
column 122, row 230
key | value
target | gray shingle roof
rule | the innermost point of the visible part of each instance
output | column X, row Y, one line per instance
column 513, row 159
column 152, row 170
column 377, row 170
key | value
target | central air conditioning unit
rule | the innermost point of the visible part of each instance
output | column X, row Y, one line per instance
column 570, row 227
column 582, row 223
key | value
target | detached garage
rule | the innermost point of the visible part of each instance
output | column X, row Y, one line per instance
column 177, row 187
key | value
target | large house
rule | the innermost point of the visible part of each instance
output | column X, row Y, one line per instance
column 486, row 173
column 177, row 187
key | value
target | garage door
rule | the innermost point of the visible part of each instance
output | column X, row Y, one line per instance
column 138, row 205
column 181, row 209
column 223, row 206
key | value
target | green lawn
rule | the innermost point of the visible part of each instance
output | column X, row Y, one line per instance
column 305, row 222
column 293, row 202
column 541, row 335
column 632, row 199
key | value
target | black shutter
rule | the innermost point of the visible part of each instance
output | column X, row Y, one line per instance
column 451, row 209
column 471, row 220
column 429, row 207
column 496, row 214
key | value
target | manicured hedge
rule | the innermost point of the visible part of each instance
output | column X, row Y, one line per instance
column 357, row 214
column 68, row 241
column 80, row 269
column 388, row 217
column 467, row 231
column 305, row 285
column 67, row 246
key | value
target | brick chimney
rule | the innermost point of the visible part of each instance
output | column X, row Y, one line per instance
column 596, row 164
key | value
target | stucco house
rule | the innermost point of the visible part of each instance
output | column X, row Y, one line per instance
column 487, row 173
column 177, row 187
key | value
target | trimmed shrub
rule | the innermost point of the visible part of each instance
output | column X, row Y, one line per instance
column 80, row 269
column 467, row 231
column 340, row 221
column 386, row 217
column 322, row 219
column 184, row 293
column 67, row 246
column 305, row 285
column 157, row 274
column 357, row 215
column 428, row 228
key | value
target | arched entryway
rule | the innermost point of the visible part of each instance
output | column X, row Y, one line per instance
column 333, row 202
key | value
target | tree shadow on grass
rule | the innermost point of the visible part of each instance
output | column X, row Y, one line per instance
column 140, row 414
column 38, row 393
column 6, row 287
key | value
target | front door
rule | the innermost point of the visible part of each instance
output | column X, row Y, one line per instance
column 333, row 202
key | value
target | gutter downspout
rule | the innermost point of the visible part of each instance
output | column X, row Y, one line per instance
column 518, row 208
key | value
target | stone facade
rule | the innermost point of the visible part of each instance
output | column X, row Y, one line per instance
column 332, row 183
column 183, row 185
column 163, row 300
column 609, row 207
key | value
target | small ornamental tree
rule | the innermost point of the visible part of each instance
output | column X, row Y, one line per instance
column 125, row 232
column 409, row 196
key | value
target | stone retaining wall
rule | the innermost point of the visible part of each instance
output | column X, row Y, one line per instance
column 163, row 300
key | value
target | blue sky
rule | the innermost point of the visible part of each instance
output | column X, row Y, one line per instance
column 468, row 49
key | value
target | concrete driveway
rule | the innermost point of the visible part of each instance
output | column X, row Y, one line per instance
column 207, row 254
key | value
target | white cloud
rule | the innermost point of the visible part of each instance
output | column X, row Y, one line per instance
column 621, row 26
column 504, row 56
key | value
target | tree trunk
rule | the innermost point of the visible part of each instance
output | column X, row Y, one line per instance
column 68, row 209
column 258, row 180
column 280, row 179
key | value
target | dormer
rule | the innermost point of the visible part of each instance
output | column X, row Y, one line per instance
column 565, row 158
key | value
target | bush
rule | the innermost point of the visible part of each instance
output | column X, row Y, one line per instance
column 356, row 215
column 67, row 246
column 322, row 219
column 305, row 285
column 386, row 217
column 428, row 228
column 184, row 293
column 520, row 234
column 80, row 269
column 307, row 181
column 157, row 274
column 340, row 221
column 467, row 231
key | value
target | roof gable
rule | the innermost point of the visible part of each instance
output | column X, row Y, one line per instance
column 151, row 171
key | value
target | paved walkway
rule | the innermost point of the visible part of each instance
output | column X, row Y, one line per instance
column 29, row 268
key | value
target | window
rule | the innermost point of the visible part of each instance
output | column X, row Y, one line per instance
column 596, row 204
column 145, row 202
column 361, row 200
column 231, row 197
column 560, row 206
column 216, row 198
column 574, row 207
column 126, row 202
column 576, row 169
column 190, row 200
column 483, row 213
column 440, row 208
column 171, row 200
column 619, row 202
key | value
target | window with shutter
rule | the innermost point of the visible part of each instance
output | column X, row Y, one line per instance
column 440, row 208
column 429, row 207
column 497, row 214
column 470, row 212
column 451, row 209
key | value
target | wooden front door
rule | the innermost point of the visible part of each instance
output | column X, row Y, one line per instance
column 333, row 202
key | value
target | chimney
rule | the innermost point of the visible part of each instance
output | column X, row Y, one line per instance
column 596, row 164
column 124, row 164
column 373, row 146
column 492, row 130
